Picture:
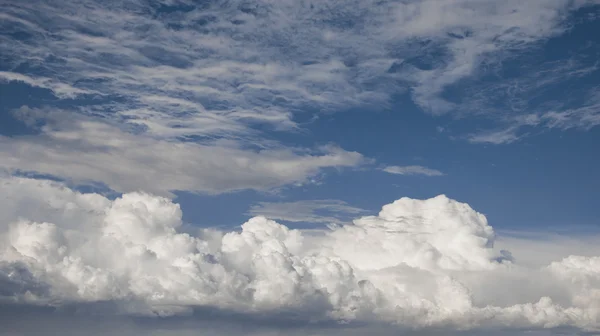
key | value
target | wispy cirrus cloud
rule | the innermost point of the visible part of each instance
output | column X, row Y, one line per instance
column 516, row 127
column 220, row 68
column 192, row 86
column 60, row 89
column 496, row 137
column 412, row 170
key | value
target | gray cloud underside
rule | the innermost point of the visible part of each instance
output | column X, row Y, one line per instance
column 206, row 322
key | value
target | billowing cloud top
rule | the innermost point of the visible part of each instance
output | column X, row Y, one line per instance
column 418, row 263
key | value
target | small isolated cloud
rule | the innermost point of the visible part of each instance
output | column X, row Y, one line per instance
column 423, row 265
column 503, row 136
column 310, row 211
column 412, row 170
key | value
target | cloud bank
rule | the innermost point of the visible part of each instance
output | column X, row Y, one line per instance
column 418, row 264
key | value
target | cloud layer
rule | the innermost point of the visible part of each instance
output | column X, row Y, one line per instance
column 221, row 68
column 417, row 264
column 83, row 150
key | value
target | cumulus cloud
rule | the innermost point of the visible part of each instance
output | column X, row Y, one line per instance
column 417, row 264
column 412, row 170
column 83, row 149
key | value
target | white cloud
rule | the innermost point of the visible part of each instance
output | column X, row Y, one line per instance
column 412, row 170
column 466, row 35
column 220, row 69
column 577, row 109
column 59, row 89
column 537, row 248
column 583, row 117
column 310, row 211
column 502, row 136
column 417, row 264
column 81, row 149
column 168, row 79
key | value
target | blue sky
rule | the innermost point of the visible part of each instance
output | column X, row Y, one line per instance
column 512, row 128
column 310, row 112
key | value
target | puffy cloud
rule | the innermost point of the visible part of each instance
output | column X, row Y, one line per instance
column 417, row 264
column 435, row 234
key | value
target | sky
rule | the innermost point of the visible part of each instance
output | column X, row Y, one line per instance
column 414, row 167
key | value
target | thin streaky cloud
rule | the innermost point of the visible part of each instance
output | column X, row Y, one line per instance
column 262, row 62
column 83, row 149
column 412, row 170
column 309, row 211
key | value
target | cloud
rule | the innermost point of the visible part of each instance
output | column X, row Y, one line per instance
column 61, row 90
column 502, row 136
column 467, row 39
column 538, row 249
column 417, row 264
column 71, row 324
column 220, row 69
column 412, row 170
column 536, row 97
column 583, row 117
column 309, row 211
column 81, row 149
